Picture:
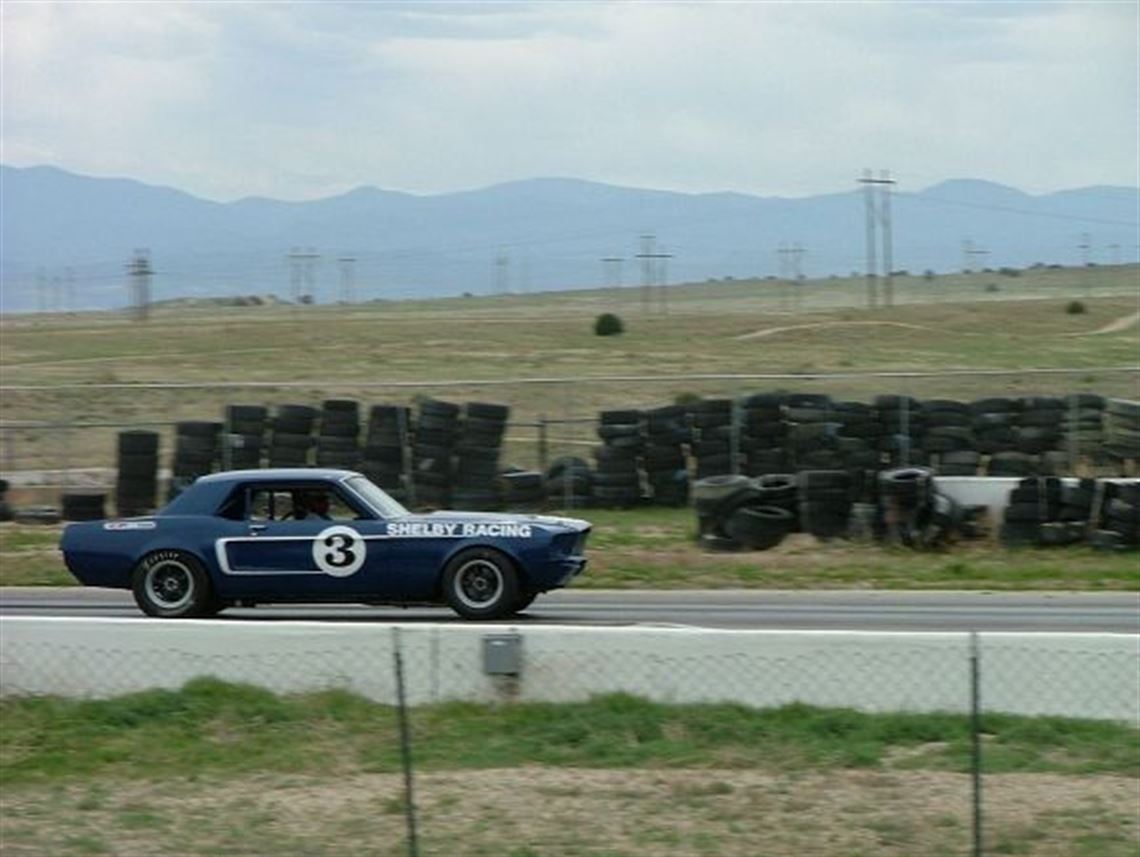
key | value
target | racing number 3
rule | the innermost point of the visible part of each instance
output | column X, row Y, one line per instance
column 339, row 551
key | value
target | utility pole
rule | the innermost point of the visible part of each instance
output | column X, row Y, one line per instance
column 869, row 214
column 69, row 289
column 878, row 213
column 885, row 183
column 967, row 254
column 41, row 291
column 347, row 279
column 139, row 273
column 662, row 258
column 502, row 272
column 648, row 245
column 1085, row 247
column 294, row 258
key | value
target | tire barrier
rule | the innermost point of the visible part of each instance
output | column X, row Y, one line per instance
column 197, row 445
column 291, row 436
column 1048, row 511
column 136, row 483
column 387, row 440
column 83, row 506
column 477, row 456
column 442, row 453
column 740, row 512
column 243, row 442
column 7, row 513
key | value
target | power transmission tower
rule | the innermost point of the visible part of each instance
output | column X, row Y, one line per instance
column 347, row 279
column 877, row 205
column 139, row 273
column 69, row 289
column 791, row 273
column 41, row 291
column 1115, row 250
column 662, row 274
column 611, row 271
column 302, row 274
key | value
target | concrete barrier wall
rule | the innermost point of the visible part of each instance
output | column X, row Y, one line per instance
column 1074, row 675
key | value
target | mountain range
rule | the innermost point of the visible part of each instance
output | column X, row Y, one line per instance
column 66, row 239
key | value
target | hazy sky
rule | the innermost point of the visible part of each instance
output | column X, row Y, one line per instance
column 303, row 100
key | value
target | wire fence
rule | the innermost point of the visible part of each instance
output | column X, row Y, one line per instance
column 1071, row 421
column 975, row 676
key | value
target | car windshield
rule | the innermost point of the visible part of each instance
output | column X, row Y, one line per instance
column 376, row 498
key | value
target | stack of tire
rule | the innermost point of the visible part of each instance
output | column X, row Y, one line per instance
column 1040, row 428
column 6, row 511
column 1072, row 511
column 858, row 445
column 1033, row 501
column 197, row 447
column 83, row 506
column 825, row 498
column 712, row 444
column 948, row 439
column 477, row 456
column 617, row 477
column 813, row 427
column 736, row 511
column 763, row 433
column 569, row 483
column 292, row 436
column 901, row 429
column 244, row 438
column 338, row 444
column 136, row 485
column 1082, row 429
column 522, row 490
column 385, row 441
column 1118, row 525
column 997, row 435
column 666, row 433
column 915, row 514
column 1122, row 429
column 437, row 430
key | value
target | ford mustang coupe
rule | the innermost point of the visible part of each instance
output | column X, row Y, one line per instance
column 248, row 537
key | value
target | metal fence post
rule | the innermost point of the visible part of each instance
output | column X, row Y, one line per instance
column 976, row 740
column 405, row 745
column 542, row 440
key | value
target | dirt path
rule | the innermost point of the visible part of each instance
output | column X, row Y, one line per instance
column 1122, row 323
column 772, row 331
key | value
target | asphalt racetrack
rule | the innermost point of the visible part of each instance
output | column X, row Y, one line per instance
column 846, row 610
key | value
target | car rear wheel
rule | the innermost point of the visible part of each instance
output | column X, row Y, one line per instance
column 172, row 585
column 481, row 583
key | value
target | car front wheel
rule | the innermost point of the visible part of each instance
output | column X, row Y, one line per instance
column 172, row 585
column 481, row 583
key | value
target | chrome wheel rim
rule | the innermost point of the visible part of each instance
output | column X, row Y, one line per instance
column 170, row 585
column 479, row 583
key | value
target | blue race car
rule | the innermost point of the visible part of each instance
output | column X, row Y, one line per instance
column 248, row 537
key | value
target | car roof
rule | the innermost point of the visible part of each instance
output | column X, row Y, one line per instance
column 277, row 474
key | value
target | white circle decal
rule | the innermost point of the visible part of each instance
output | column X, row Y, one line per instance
column 339, row 551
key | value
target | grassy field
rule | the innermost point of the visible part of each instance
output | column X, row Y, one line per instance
column 219, row 768
column 655, row 549
column 395, row 351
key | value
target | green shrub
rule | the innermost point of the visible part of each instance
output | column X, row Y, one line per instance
column 608, row 324
column 1075, row 307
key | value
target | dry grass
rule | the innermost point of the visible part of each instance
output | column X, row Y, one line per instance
column 552, row 812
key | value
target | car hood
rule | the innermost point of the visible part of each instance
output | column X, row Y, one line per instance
column 552, row 521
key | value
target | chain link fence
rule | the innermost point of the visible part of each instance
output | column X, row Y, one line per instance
column 1072, row 424
column 1088, row 676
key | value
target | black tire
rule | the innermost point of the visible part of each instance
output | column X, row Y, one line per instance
column 759, row 527
column 170, row 584
column 140, row 443
column 481, row 583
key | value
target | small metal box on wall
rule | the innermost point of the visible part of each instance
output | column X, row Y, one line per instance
column 502, row 654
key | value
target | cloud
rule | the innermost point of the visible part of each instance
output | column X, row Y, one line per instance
column 303, row 100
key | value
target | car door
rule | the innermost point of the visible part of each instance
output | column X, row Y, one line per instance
column 279, row 556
